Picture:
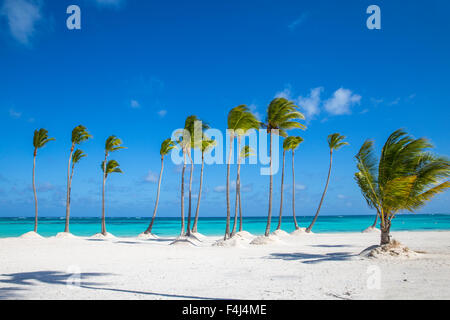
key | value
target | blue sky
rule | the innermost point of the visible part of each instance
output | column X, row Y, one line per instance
column 137, row 69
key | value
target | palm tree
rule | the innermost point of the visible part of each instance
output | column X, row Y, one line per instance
column 334, row 143
column 76, row 157
column 207, row 145
column 40, row 139
column 194, row 127
column 290, row 143
column 246, row 152
column 240, row 120
column 79, row 135
column 405, row 177
column 282, row 115
column 112, row 144
column 166, row 146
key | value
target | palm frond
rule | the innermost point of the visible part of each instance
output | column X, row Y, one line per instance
column 80, row 134
column 40, row 138
column 77, row 156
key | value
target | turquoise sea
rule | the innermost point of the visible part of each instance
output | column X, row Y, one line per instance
column 129, row 227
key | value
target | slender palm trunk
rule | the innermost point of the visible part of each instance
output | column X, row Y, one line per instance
column 34, row 191
column 66, row 229
column 238, row 187
column 149, row 229
column 70, row 187
column 269, row 216
column 103, row 197
column 194, row 227
column 293, row 192
column 190, row 195
column 227, row 228
column 281, row 196
column 182, row 193
column 323, row 195
column 240, row 206
column 374, row 225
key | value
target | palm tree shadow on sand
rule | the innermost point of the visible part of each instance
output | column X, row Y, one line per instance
column 21, row 280
column 313, row 258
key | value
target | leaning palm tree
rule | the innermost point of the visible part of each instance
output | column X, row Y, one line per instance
column 112, row 144
column 79, row 135
column 107, row 167
column 246, row 152
column 194, row 127
column 76, row 157
column 404, row 178
column 166, row 146
column 334, row 143
column 207, row 145
column 40, row 139
column 290, row 143
column 240, row 120
column 282, row 115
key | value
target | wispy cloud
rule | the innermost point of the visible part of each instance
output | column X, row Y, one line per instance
column 151, row 177
column 162, row 113
column 297, row 22
column 22, row 17
column 311, row 103
column 14, row 114
column 341, row 102
column 135, row 104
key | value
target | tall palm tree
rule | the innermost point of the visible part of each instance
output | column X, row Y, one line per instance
column 166, row 146
column 112, row 144
column 40, row 139
column 240, row 120
column 282, row 115
column 194, row 127
column 245, row 152
column 335, row 142
column 107, row 167
column 404, row 178
column 290, row 143
column 207, row 144
column 76, row 157
column 79, row 135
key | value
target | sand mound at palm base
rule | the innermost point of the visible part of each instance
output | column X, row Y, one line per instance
column 31, row 235
column 392, row 250
column 263, row 240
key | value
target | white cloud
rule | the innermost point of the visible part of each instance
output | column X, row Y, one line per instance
column 151, row 177
column 286, row 93
column 341, row 102
column 22, row 16
column 341, row 196
column 135, row 104
column 14, row 114
column 300, row 187
column 311, row 104
column 162, row 113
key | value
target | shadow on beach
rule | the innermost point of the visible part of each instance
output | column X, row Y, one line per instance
column 22, row 280
column 313, row 258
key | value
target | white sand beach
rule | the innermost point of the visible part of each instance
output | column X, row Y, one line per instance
column 304, row 266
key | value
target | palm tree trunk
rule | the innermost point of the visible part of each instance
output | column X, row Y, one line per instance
column 323, row 195
column 240, row 206
column 238, row 187
column 103, row 197
column 374, row 225
column 182, row 193
column 269, row 216
column 281, row 196
column 34, row 191
column 190, row 195
column 149, row 229
column 194, row 227
column 66, row 229
column 227, row 228
column 385, row 231
column 293, row 192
